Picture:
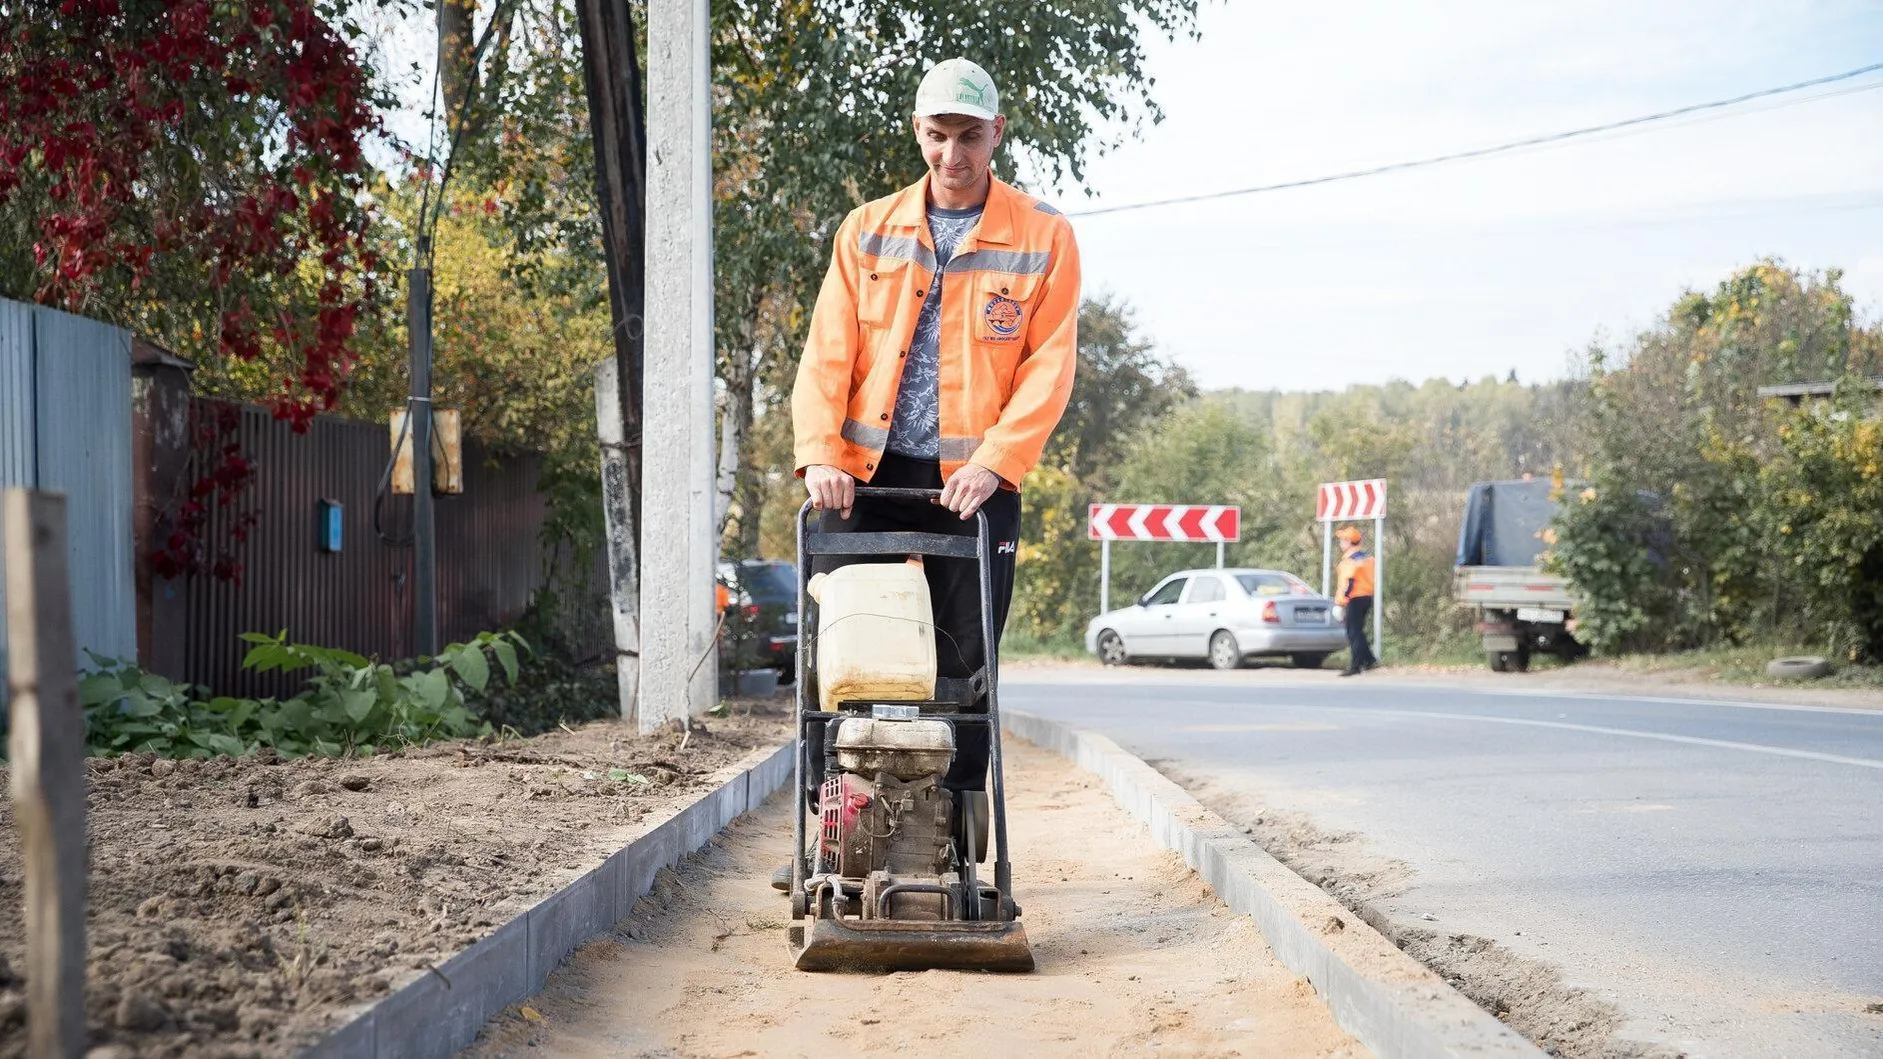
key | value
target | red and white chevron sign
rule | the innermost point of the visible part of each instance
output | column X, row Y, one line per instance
column 1351, row 501
column 1165, row 522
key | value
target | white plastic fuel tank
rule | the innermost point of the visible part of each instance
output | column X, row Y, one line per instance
column 875, row 637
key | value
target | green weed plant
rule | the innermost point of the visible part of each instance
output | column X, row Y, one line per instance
column 350, row 706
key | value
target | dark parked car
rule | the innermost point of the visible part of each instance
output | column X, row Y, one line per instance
column 762, row 617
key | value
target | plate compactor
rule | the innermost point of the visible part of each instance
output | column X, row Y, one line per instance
column 888, row 871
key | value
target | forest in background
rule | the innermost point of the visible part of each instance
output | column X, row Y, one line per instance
column 1700, row 515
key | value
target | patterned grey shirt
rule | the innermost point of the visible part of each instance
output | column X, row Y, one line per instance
column 916, row 430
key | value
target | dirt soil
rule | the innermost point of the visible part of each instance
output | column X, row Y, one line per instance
column 1136, row 956
column 1529, row 995
column 237, row 905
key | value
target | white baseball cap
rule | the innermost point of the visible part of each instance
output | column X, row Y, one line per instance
column 957, row 86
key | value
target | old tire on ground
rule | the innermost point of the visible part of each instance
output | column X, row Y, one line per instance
column 1225, row 653
column 1111, row 649
column 1803, row 667
column 1308, row 660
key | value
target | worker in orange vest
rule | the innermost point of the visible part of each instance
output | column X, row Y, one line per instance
column 1354, row 595
column 940, row 356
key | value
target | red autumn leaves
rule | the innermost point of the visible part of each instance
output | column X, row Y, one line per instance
column 109, row 103
column 208, row 159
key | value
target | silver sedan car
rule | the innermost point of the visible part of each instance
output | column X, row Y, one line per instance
column 1225, row 616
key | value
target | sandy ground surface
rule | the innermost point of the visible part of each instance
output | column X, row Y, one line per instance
column 1135, row 954
column 1581, row 678
column 237, row 905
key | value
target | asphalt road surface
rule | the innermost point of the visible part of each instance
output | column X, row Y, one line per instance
column 1713, row 870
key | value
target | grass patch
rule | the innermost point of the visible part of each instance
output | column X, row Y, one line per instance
column 1746, row 665
column 1020, row 644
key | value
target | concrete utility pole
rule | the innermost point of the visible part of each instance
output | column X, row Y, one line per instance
column 679, row 551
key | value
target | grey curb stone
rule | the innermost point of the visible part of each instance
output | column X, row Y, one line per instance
column 440, row 1012
column 1389, row 1001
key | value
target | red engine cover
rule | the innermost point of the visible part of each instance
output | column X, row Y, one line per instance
column 842, row 800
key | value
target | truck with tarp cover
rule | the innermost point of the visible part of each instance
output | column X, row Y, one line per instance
column 1519, row 608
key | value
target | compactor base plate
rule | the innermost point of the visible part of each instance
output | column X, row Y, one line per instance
column 903, row 945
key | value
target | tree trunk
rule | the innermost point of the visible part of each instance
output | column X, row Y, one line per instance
column 457, row 72
column 739, row 371
column 612, row 72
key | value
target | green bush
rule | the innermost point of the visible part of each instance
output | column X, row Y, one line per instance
column 1763, row 527
column 1824, row 501
column 351, row 705
column 1602, row 541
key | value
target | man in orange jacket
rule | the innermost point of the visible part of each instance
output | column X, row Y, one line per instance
column 940, row 356
column 1355, row 593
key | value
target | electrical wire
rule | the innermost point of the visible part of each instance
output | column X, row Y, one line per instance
column 1494, row 149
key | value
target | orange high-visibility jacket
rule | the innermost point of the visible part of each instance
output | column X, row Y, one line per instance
column 1355, row 577
column 1009, row 334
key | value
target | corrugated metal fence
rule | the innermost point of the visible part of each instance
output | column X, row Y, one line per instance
column 68, row 423
column 65, row 426
column 490, row 560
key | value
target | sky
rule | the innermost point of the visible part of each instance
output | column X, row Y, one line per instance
column 1482, row 267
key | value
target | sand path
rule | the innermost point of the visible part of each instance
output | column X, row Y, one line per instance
column 1136, row 957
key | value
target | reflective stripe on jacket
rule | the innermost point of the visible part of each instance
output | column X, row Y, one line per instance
column 1355, row 578
column 1009, row 334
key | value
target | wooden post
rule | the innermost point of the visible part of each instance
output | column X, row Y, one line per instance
column 46, row 748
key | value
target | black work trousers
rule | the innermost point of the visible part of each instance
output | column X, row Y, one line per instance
column 1359, row 653
column 954, row 585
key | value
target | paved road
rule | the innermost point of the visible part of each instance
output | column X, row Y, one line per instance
column 1713, row 869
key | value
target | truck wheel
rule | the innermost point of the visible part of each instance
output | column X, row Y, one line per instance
column 1517, row 661
column 1225, row 653
column 1308, row 660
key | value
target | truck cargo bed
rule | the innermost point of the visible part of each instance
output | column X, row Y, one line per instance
column 1511, row 587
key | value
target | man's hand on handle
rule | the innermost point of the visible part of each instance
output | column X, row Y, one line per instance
column 969, row 489
column 830, row 489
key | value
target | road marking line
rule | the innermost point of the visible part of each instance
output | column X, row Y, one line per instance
column 1303, row 726
column 1597, row 696
column 1691, row 740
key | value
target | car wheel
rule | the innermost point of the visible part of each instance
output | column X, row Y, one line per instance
column 1308, row 660
column 1224, row 651
column 1111, row 649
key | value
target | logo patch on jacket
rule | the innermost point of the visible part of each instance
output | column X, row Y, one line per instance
column 1003, row 316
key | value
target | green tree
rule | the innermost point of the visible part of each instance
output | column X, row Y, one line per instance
column 1122, row 388
column 1825, row 508
column 1684, row 459
column 812, row 119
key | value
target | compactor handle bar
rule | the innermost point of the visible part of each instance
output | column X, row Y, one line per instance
column 896, row 493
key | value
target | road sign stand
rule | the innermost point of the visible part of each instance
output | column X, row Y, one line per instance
column 1327, row 559
column 1200, row 523
column 1358, row 501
